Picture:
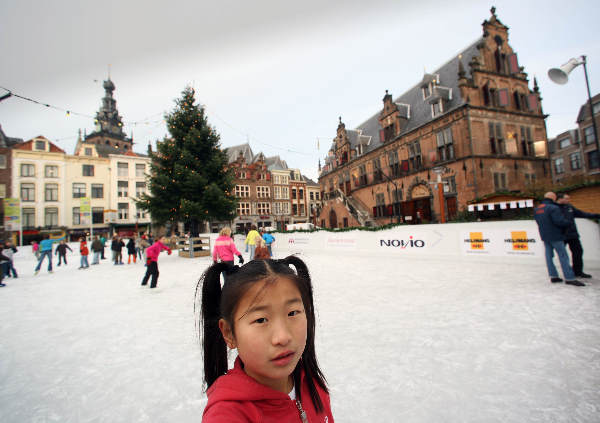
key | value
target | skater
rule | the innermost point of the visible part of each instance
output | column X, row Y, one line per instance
column 131, row 251
column 269, row 239
column 61, row 251
column 3, row 259
column 83, row 250
column 572, row 235
column 552, row 224
column 117, row 250
column 138, row 248
column 261, row 252
column 9, row 251
column 103, row 241
column 97, row 248
column 35, row 248
column 152, row 253
column 46, row 251
column 265, row 311
column 224, row 248
column 251, row 238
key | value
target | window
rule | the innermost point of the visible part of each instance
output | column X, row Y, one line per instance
column 449, row 184
column 527, row 141
column 140, row 188
column 28, row 218
column 293, row 193
column 445, row 145
column 575, row 160
column 295, row 209
column 123, row 211
column 530, row 179
column 97, row 191
column 2, row 161
column 97, row 215
column 414, row 155
column 78, row 190
column 51, row 171
column 362, row 175
column 242, row 191
column 564, row 143
column 28, row 192
column 426, row 91
column 140, row 170
column 141, row 213
column 27, row 170
column 436, row 108
column 263, row 208
column 379, row 209
column 387, row 134
column 76, row 216
column 316, row 195
column 88, row 170
column 559, row 165
column 51, row 192
column 496, row 138
column 40, row 145
column 88, row 151
column 2, row 190
column 596, row 107
column 122, row 188
column 242, row 175
column 284, row 180
column 593, row 159
column 311, row 195
column 377, row 174
column 263, row 192
column 301, row 194
column 499, row 181
column 123, row 169
column 588, row 135
column 243, row 209
column 393, row 163
column 51, row 216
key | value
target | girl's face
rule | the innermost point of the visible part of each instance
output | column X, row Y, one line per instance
column 270, row 332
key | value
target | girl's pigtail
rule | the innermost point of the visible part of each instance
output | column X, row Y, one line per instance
column 214, row 347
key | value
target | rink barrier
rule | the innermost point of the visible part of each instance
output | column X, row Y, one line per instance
column 498, row 241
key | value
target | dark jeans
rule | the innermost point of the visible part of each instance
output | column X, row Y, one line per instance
column 48, row 254
column 151, row 270
column 63, row 257
column 8, row 268
column 576, row 254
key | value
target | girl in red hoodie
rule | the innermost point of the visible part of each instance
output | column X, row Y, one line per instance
column 264, row 310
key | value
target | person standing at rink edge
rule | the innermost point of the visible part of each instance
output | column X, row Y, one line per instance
column 571, row 233
column 152, row 253
column 552, row 224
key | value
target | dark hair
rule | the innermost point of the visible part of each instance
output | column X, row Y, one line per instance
column 220, row 303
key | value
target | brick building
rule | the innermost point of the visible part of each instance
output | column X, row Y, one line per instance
column 474, row 121
column 589, row 143
column 6, row 146
column 566, row 152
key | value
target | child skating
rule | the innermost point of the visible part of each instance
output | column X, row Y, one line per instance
column 265, row 311
column 84, row 251
column 61, row 251
column 152, row 253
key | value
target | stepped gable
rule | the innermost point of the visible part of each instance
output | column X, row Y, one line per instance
column 233, row 153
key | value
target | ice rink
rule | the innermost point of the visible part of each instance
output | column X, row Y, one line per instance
column 403, row 339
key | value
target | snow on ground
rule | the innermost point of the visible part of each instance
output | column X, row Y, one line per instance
column 400, row 340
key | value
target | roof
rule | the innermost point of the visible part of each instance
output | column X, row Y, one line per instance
column 28, row 145
column 276, row 163
column 234, row 152
column 7, row 142
column 310, row 182
column 584, row 111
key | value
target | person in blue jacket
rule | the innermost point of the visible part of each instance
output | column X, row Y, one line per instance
column 571, row 233
column 269, row 239
column 46, row 251
column 552, row 224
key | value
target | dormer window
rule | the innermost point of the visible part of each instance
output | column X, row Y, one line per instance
column 437, row 108
column 88, row 151
column 40, row 145
column 359, row 149
column 426, row 91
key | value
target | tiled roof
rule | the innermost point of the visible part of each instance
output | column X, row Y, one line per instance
column 234, row 152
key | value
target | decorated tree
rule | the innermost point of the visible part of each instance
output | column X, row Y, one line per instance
column 189, row 181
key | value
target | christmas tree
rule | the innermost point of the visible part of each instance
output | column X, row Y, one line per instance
column 189, row 181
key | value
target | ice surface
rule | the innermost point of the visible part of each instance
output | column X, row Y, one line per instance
column 406, row 339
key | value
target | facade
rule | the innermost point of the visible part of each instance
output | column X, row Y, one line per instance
column 299, row 212
column 313, row 195
column 589, row 143
column 6, row 146
column 566, row 156
column 471, row 128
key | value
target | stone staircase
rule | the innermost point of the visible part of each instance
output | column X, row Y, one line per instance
column 356, row 208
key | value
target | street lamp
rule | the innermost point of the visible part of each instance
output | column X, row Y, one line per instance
column 439, row 170
column 561, row 76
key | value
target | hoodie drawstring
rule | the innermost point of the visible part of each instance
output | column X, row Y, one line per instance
column 302, row 412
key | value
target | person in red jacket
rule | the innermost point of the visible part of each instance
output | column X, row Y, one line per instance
column 84, row 251
column 264, row 310
column 152, row 253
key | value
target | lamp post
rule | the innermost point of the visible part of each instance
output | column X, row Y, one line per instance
column 561, row 76
column 396, row 188
column 438, row 170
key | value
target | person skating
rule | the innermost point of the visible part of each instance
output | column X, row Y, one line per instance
column 551, row 224
column 261, row 252
column 269, row 239
column 35, row 248
column 46, row 251
column 103, row 241
column 61, row 251
column 131, row 251
column 3, row 259
column 251, row 239
column 9, row 251
column 224, row 248
column 117, row 248
column 97, row 248
column 152, row 253
column 84, row 251
column 572, row 235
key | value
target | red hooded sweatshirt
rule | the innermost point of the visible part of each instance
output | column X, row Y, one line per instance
column 237, row 398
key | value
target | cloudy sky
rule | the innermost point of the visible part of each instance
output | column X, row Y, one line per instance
column 275, row 73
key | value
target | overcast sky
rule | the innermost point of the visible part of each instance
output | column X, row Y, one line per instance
column 275, row 73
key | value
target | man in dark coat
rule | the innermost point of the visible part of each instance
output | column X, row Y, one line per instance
column 61, row 251
column 571, row 233
column 552, row 223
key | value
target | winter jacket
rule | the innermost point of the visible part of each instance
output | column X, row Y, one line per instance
column 97, row 246
column 61, row 250
column 83, row 249
column 224, row 249
column 236, row 398
column 269, row 239
column 551, row 221
column 252, row 237
column 10, row 251
column 570, row 214
column 35, row 247
column 117, row 245
column 154, row 250
column 131, row 246
column 46, row 244
column 3, row 258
